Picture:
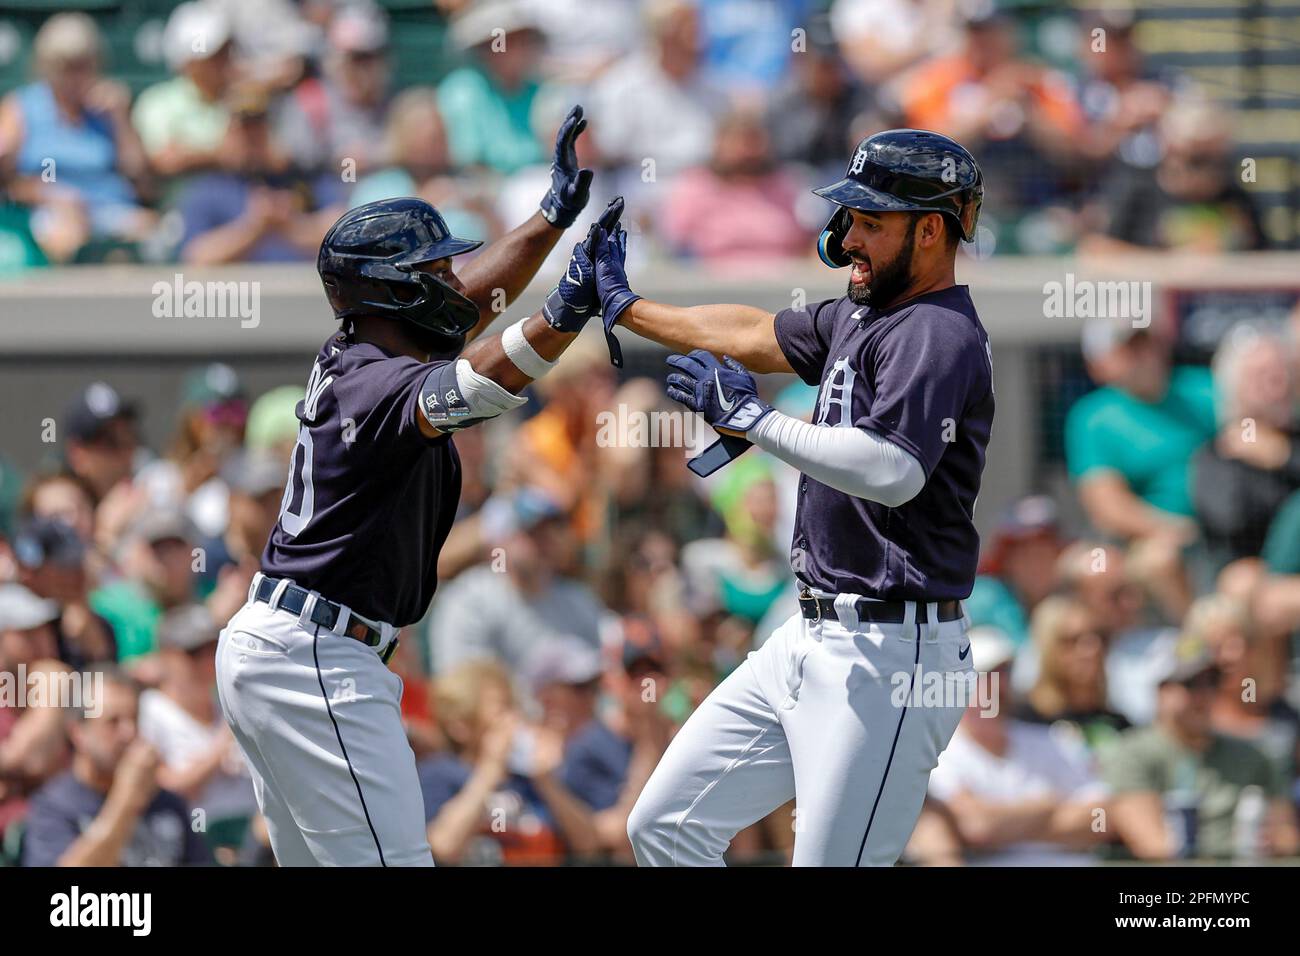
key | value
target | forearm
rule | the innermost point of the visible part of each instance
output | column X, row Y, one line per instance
column 745, row 333
column 503, row 270
column 488, row 356
column 229, row 243
column 1114, row 509
column 459, row 817
column 572, row 816
column 101, row 843
column 850, row 460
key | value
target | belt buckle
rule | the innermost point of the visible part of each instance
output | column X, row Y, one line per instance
column 816, row 603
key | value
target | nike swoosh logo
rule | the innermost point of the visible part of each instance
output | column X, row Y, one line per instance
column 723, row 402
column 963, row 652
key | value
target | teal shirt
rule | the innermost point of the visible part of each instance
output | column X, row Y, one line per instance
column 991, row 604
column 1149, row 443
column 487, row 126
column 133, row 615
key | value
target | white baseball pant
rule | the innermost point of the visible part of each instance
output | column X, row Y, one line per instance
column 819, row 714
column 318, row 717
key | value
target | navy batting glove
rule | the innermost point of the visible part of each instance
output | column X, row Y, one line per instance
column 570, row 186
column 723, row 392
column 610, row 254
column 573, row 300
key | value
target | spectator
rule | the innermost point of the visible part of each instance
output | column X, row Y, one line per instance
column 272, row 426
column 1018, row 569
column 502, row 609
column 497, row 797
column 655, row 105
column 1121, row 96
column 1241, row 479
column 256, row 483
column 487, row 105
column 1127, row 445
column 183, row 121
column 745, row 571
column 421, row 166
column 199, row 761
column 1007, row 792
column 738, row 213
column 1250, row 703
column 335, row 124
column 32, row 743
column 609, row 757
column 68, row 142
column 256, row 209
column 1192, row 199
column 62, row 496
column 209, row 427
column 108, row 810
column 1184, row 790
column 51, row 559
column 1071, row 685
column 1016, row 116
column 157, row 562
column 99, row 438
column 814, row 109
column 583, row 38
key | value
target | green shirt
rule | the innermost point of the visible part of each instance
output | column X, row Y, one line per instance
column 174, row 112
column 1149, row 443
column 992, row 604
column 487, row 126
column 133, row 614
column 1148, row 759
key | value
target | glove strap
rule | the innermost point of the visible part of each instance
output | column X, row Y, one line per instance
column 722, row 452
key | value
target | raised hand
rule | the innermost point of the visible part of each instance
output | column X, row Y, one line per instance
column 574, row 299
column 570, row 186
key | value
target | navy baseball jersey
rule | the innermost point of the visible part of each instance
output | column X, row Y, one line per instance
column 370, row 500
column 920, row 375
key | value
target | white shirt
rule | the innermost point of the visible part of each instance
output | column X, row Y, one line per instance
column 181, row 740
column 1039, row 762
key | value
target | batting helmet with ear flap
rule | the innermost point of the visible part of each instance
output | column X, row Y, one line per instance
column 903, row 170
column 368, row 262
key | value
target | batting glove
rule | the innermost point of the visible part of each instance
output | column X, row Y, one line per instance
column 610, row 254
column 723, row 392
column 574, row 299
column 570, row 186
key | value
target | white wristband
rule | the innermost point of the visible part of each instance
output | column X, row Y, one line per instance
column 522, row 354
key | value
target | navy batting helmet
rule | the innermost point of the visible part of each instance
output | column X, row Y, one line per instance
column 903, row 170
column 367, row 262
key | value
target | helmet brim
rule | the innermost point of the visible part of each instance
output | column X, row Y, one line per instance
column 443, row 249
column 851, row 193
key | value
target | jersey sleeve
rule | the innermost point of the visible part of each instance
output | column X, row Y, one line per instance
column 804, row 336
column 379, row 402
column 927, row 369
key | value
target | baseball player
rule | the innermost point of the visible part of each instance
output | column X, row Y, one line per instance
column 825, row 711
column 373, row 488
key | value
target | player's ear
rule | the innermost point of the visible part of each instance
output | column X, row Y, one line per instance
column 930, row 231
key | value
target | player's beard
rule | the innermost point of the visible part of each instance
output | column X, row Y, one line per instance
column 890, row 280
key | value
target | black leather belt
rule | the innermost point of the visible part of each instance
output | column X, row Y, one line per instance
column 325, row 613
column 880, row 612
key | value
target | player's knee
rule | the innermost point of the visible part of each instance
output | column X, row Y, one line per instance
column 646, row 828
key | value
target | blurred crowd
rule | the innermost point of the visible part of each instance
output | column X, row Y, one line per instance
column 593, row 591
column 713, row 117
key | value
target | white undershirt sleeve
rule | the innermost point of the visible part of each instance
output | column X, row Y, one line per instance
column 850, row 460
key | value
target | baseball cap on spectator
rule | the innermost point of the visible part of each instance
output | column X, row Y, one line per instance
column 187, row 628
column 1101, row 335
column 21, row 610
column 255, row 473
column 164, row 524
column 1182, row 661
column 93, row 409
column 561, row 660
column 48, row 540
column 215, row 389
column 1030, row 517
column 523, row 510
column 358, row 29
column 273, row 419
column 482, row 22
column 990, row 648
column 195, row 31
